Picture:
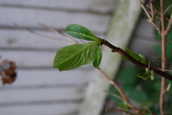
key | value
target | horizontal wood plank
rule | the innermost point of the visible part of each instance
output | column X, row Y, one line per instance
column 17, row 39
column 100, row 5
column 29, row 58
column 52, row 109
column 60, row 95
column 34, row 18
column 50, row 77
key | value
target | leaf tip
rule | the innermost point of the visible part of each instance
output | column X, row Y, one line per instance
column 80, row 32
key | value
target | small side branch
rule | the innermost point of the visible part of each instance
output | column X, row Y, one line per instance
column 122, row 93
column 169, row 25
column 150, row 16
column 116, row 86
column 131, row 59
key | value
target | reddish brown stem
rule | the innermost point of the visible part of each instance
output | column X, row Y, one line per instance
column 163, row 67
column 163, row 57
column 136, row 62
column 121, row 91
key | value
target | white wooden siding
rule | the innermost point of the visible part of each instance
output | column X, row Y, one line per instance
column 39, row 89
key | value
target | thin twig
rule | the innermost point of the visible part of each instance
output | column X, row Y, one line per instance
column 61, row 32
column 168, row 8
column 146, row 12
column 116, row 96
column 131, row 59
column 169, row 25
column 163, row 57
column 123, row 110
column 117, row 86
column 169, row 70
column 44, row 36
column 152, row 10
column 154, row 25
column 150, row 18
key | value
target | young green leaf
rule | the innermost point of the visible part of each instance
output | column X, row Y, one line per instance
column 137, row 57
column 80, row 32
column 147, row 75
column 73, row 56
column 124, row 106
column 98, row 57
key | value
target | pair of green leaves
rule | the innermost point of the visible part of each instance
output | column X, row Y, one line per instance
column 76, row 55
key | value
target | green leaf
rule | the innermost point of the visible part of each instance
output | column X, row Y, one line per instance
column 81, row 32
column 73, row 56
column 124, row 106
column 137, row 57
column 147, row 75
column 98, row 57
